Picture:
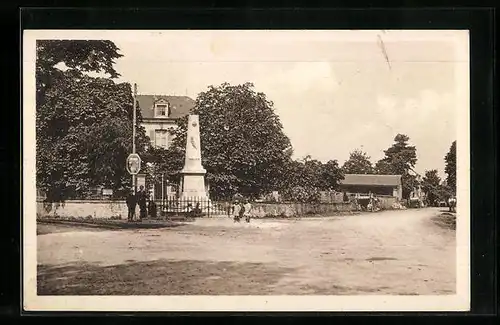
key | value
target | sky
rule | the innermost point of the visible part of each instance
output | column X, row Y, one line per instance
column 334, row 92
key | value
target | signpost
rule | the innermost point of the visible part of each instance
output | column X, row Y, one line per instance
column 133, row 160
column 134, row 167
column 133, row 164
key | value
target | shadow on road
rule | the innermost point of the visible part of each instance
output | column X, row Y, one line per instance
column 160, row 277
column 445, row 220
column 55, row 226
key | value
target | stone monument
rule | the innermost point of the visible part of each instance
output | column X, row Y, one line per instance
column 193, row 173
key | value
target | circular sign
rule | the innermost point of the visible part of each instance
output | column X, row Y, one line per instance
column 194, row 124
column 133, row 164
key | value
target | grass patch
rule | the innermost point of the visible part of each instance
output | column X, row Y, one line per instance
column 446, row 220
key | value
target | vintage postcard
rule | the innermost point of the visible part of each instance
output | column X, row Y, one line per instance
column 246, row 170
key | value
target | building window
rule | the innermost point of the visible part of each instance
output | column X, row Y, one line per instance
column 161, row 138
column 161, row 110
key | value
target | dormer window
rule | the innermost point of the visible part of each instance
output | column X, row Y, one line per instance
column 161, row 109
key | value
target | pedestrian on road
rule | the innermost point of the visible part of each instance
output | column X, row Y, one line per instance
column 141, row 200
column 131, row 203
column 152, row 208
column 237, row 210
column 246, row 210
column 452, row 203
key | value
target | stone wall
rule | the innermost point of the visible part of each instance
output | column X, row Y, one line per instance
column 296, row 209
column 83, row 208
column 260, row 210
column 108, row 208
column 386, row 203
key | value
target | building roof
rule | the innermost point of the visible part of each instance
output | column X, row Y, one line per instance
column 179, row 105
column 368, row 179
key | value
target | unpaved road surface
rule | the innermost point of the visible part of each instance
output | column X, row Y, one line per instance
column 391, row 252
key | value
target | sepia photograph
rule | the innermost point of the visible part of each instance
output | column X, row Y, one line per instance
column 246, row 170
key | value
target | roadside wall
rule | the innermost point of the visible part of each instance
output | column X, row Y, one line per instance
column 114, row 209
column 83, row 208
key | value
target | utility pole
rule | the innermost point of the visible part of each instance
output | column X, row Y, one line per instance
column 133, row 134
column 163, row 192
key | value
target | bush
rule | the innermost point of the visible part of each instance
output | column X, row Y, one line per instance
column 302, row 194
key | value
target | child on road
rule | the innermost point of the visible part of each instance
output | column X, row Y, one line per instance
column 237, row 211
column 247, row 208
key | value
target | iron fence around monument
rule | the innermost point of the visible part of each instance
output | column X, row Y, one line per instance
column 191, row 206
column 204, row 207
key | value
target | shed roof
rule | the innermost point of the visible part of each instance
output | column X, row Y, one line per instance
column 369, row 179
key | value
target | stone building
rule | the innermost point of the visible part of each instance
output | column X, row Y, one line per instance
column 159, row 116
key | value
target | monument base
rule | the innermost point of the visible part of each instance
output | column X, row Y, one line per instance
column 193, row 187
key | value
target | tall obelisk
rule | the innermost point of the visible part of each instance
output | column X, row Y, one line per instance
column 193, row 173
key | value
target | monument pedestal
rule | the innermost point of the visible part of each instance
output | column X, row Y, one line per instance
column 193, row 186
column 193, row 174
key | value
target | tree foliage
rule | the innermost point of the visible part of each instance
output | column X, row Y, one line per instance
column 305, row 179
column 431, row 184
column 358, row 163
column 451, row 167
column 243, row 145
column 83, row 123
column 400, row 159
column 244, row 148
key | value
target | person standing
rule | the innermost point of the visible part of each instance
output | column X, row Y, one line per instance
column 345, row 198
column 237, row 210
column 152, row 208
column 131, row 203
column 452, row 203
column 141, row 201
column 246, row 210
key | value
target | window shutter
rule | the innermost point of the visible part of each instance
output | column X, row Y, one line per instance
column 167, row 139
column 152, row 137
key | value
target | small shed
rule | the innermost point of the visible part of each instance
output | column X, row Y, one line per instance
column 387, row 185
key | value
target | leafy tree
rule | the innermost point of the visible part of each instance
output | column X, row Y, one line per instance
column 331, row 176
column 160, row 161
column 451, row 167
column 400, row 159
column 83, row 124
column 244, row 148
column 307, row 177
column 358, row 163
column 431, row 186
column 79, row 55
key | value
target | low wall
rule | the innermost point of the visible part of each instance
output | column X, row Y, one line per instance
column 83, row 208
column 297, row 209
column 114, row 209
column 386, row 203
column 260, row 210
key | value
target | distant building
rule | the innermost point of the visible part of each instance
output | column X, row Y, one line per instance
column 389, row 185
column 159, row 116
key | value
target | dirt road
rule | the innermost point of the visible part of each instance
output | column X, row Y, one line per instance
column 391, row 252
